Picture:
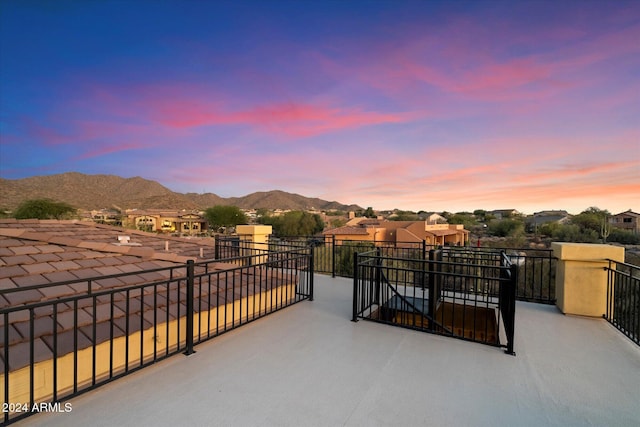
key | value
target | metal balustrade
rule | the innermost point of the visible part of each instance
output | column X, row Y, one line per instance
column 92, row 331
column 623, row 298
column 467, row 298
column 537, row 267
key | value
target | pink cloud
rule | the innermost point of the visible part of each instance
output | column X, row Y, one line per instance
column 291, row 119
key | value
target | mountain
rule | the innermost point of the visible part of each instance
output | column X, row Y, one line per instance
column 110, row 191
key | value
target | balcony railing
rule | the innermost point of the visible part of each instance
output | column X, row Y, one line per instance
column 623, row 298
column 91, row 331
column 537, row 267
column 471, row 298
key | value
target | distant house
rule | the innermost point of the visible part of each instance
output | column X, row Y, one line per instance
column 186, row 222
column 400, row 232
column 435, row 218
column 546, row 217
column 106, row 216
column 627, row 220
column 504, row 213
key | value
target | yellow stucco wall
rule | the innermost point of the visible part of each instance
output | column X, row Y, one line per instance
column 581, row 281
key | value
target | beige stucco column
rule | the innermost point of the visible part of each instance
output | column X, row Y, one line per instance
column 256, row 234
column 581, row 281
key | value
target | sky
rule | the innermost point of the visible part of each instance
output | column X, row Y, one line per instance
column 413, row 105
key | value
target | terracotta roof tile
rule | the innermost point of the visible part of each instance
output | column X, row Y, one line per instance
column 92, row 262
column 14, row 335
column 41, row 326
column 7, row 243
column 39, row 268
column 45, row 257
column 103, row 332
column 109, row 283
column 66, row 342
column 65, row 265
column 58, row 291
column 107, row 270
column 70, row 255
column 12, row 271
column 51, row 249
column 4, row 251
column 60, row 276
column 6, row 283
column 111, row 260
column 17, row 298
column 30, row 280
column 128, row 268
column 85, row 273
column 20, row 354
column 66, row 319
column 25, row 250
column 65, row 241
column 17, row 259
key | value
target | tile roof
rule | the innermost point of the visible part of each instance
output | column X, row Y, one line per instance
column 34, row 254
column 347, row 230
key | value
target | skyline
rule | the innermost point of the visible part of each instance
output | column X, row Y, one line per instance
column 434, row 106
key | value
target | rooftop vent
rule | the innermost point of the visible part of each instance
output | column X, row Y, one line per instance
column 125, row 241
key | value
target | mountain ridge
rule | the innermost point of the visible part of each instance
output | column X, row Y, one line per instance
column 101, row 191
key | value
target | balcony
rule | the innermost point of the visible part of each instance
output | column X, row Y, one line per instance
column 133, row 307
column 309, row 365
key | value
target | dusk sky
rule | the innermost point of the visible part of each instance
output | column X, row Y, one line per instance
column 415, row 105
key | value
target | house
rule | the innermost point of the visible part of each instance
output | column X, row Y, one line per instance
column 434, row 218
column 545, row 217
column 398, row 232
column 504, row 213
column 627, row 220
column 186, row 222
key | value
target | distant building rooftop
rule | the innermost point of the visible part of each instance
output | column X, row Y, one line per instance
column 309, row 365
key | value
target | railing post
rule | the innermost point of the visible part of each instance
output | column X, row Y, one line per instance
column 311, row 267
column 190, row 285
column 333, row 255
column 378, row 264
column 354, row 317
column 434, row 280
column 424, row 249
column 510, row 325
column 216, row 245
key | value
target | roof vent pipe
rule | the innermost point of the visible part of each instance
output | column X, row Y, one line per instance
column 166, row 245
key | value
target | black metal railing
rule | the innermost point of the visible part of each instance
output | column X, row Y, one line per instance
column 623, row 298
column 107, row 327
column 537, row 267
column 467, row 298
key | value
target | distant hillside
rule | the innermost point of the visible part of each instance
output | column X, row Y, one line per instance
column 109, row 191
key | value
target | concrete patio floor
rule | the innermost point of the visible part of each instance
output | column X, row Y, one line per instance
column 308, row 365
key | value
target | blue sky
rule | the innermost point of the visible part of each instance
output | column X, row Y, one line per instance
column 411, row 105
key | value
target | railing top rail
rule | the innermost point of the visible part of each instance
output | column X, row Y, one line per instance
column 632, row 266
column 364, row 255
column 171, row 269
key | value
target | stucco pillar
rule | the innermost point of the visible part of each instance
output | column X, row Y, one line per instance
column 254, row 236
column 581, row 281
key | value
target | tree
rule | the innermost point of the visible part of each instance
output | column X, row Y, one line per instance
column 590, row 219
column 506, row 228
column 295, row 223
column 224, row 216
column 44, row 209
column 369, row 213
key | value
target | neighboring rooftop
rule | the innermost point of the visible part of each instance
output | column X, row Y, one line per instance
column 309, row 365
